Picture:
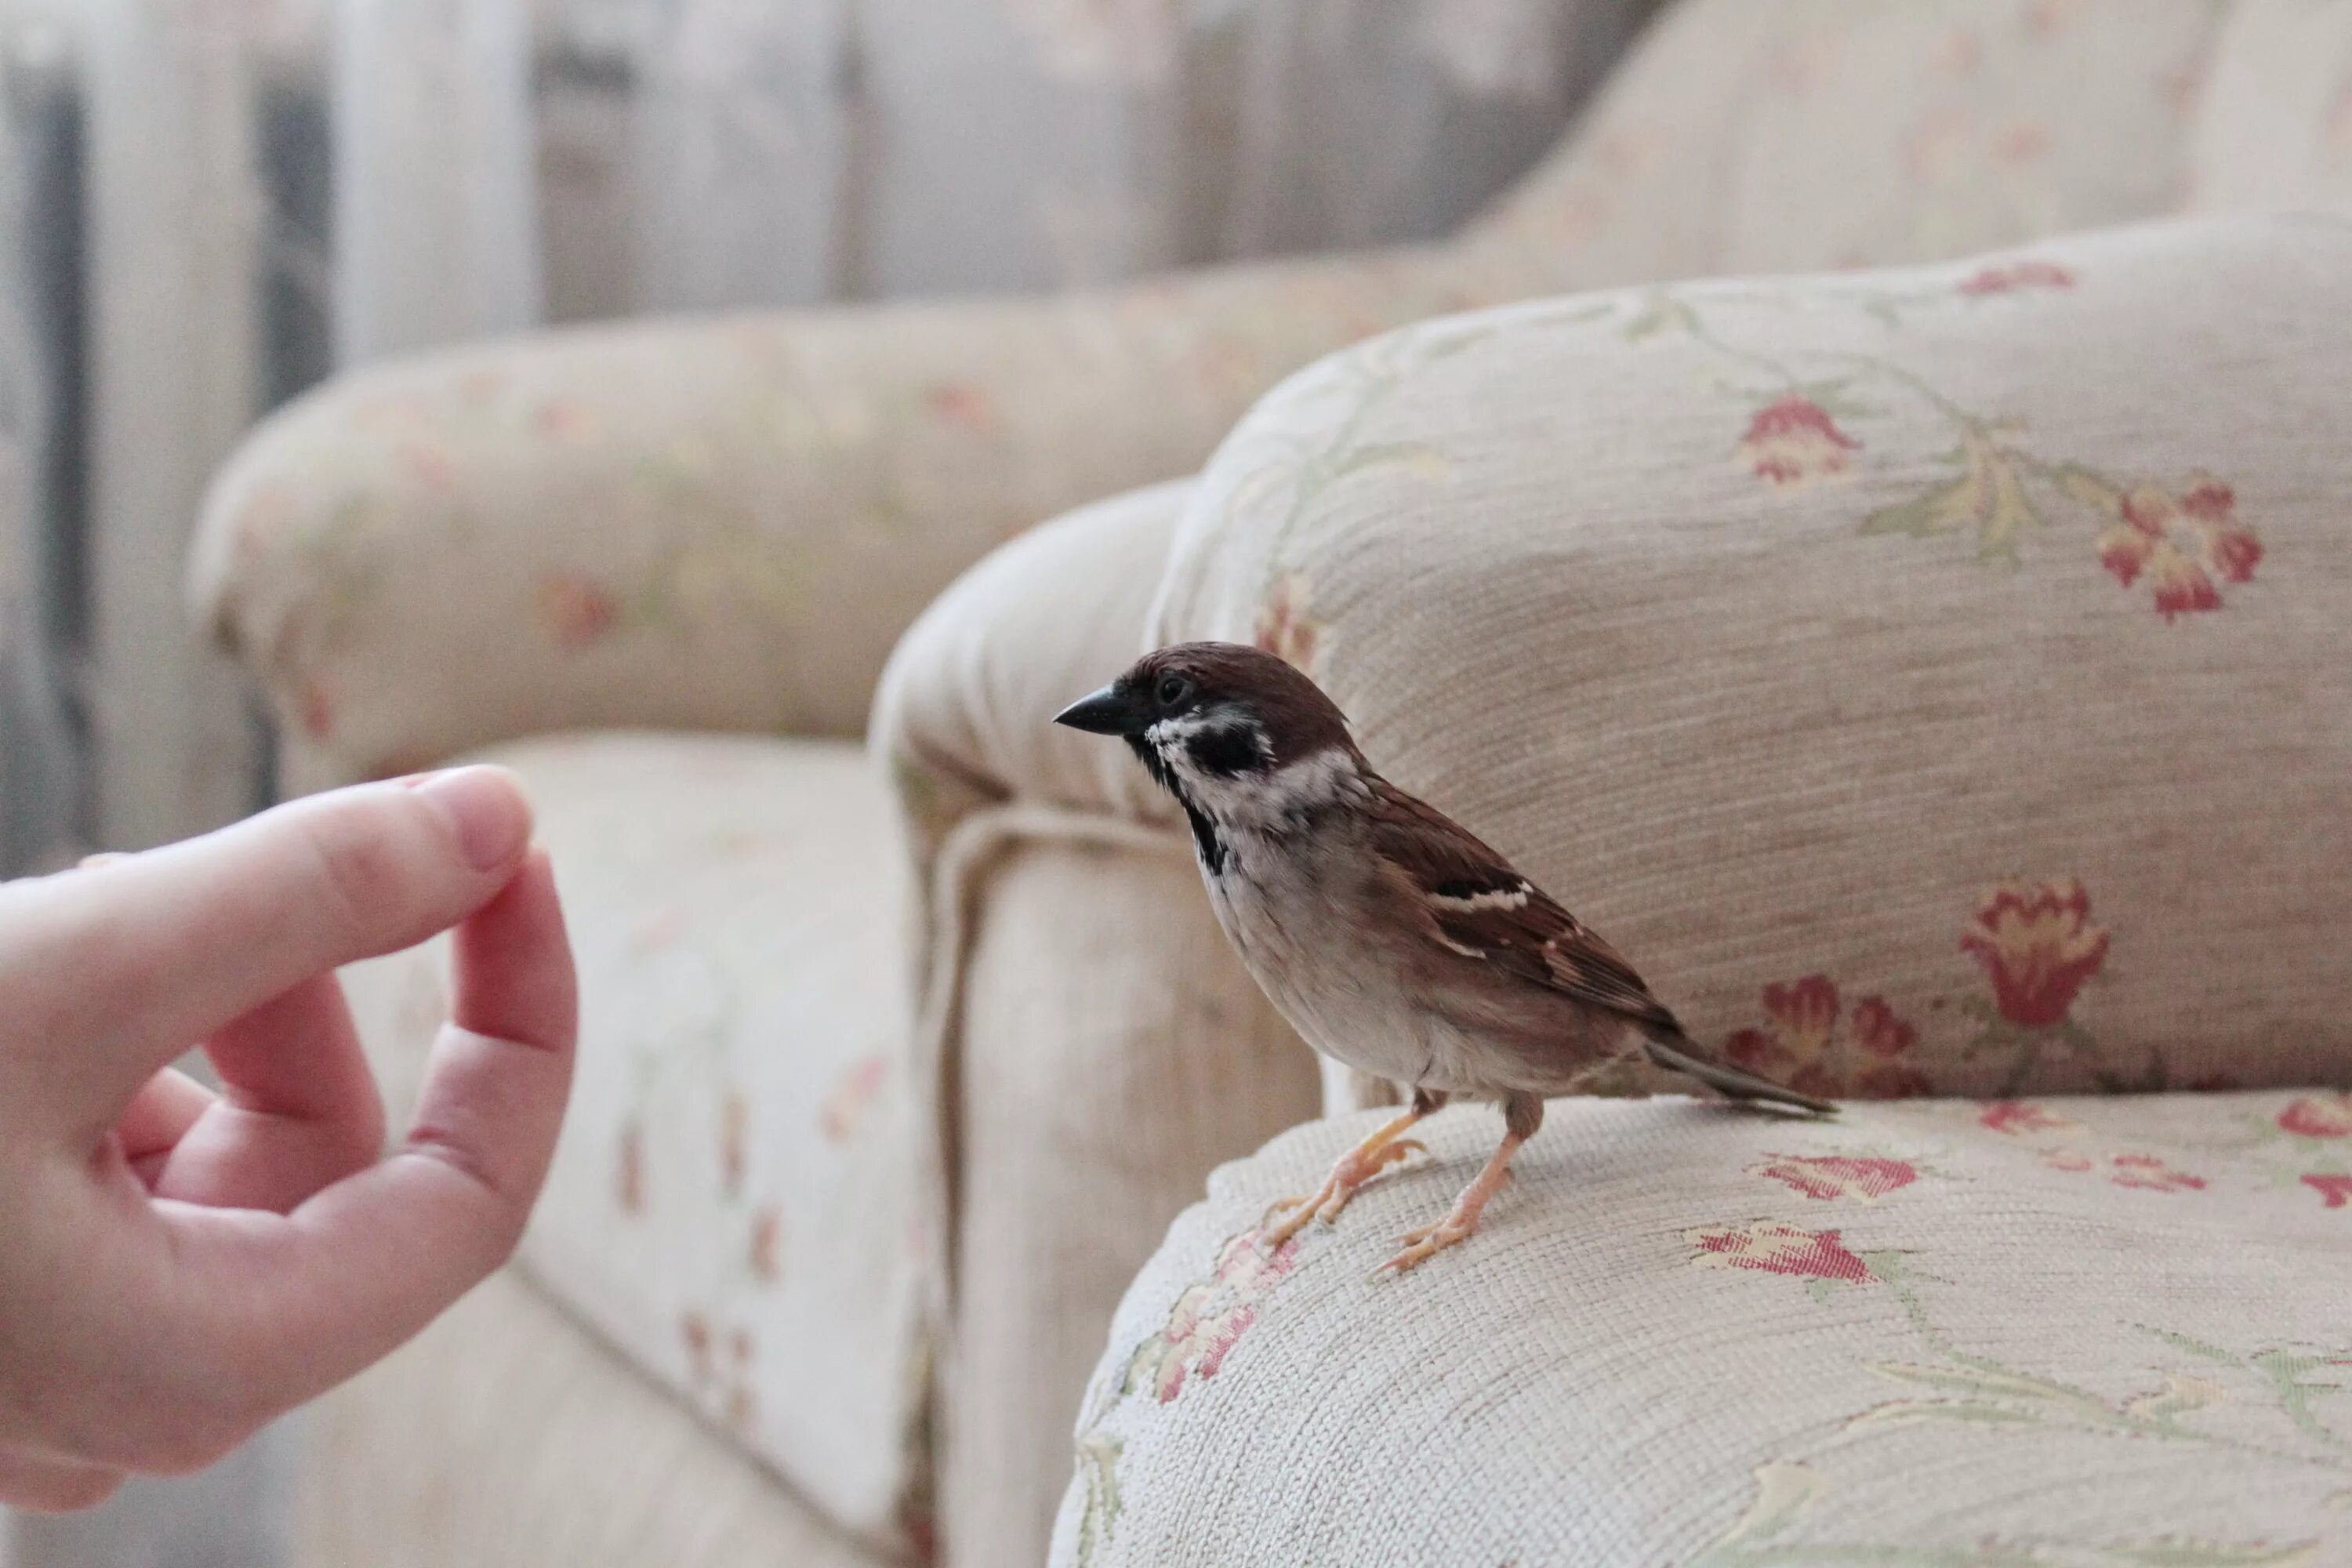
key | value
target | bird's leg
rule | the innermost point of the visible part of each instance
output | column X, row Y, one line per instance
column 1387, row 1145
column 1522, row 1114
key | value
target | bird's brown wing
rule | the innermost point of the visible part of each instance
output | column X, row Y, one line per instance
column 1481, row 907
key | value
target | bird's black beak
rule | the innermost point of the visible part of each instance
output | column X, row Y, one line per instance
column 1109, row 711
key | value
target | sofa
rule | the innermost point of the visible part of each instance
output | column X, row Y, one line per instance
column 900, row 1057
column 1950, row 714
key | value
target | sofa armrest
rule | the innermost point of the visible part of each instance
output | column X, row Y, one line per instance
column 1930, row 679
column 1088, row 1046
column 720, row 523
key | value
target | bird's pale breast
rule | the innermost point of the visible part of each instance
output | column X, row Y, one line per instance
column 1297, row 915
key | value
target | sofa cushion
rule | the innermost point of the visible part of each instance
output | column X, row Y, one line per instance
column 2058, row 1332
column 2275, row 126
column 731, row 1205
column 504, row 1433
column 965, row 714
column 1772, row 135
column 1930, row 679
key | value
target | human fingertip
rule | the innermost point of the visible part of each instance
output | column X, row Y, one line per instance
column 485, row 809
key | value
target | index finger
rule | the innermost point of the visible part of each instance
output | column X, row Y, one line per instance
column 128, row 963
column 307, row 1301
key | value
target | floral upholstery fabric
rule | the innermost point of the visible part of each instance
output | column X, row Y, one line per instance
column 713, row 525
column 2035, row 1333
column 724, row 523
column 732, row 1202
column 1871, row 657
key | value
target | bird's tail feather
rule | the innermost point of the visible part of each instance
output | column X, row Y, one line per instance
column 1731, row 1080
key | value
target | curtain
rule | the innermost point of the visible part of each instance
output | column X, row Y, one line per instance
column 172, row 217
column 234, row 198
column 39, row 756
column 436, row 230
column 791, row 150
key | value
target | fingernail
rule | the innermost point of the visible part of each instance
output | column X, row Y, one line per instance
column 486, row 808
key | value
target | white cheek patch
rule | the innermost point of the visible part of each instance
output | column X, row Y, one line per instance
column 1251, row 800
column 1166, row 733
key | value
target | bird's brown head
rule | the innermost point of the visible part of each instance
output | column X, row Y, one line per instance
column 1216, row 722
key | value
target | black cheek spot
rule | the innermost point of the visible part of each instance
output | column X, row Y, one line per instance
column 1225, row 753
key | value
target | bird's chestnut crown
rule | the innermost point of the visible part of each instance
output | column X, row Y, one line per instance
column 1234, row 708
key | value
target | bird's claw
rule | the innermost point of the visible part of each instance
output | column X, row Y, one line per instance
column 1288, row 1217
column 1425, row 1243
column 1294, row 1214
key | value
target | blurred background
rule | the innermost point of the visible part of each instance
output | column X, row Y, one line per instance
column 208, row 206
column 211, row 204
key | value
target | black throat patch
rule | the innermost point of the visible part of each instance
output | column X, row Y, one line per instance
column 1206, row 842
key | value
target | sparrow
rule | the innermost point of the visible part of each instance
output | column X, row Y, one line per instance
column 1391, row 937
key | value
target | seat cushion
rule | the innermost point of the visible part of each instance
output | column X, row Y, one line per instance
column 504, row 1433
column 2070, row 1331
column 731, row 1202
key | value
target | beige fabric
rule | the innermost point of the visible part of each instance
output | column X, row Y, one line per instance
column 1094, row 1047
column 724, row 523
column 1111, row 1055
column 2064, row 1333
column 2275, row 129
column 1742, row 137
column 733, row 1203
column 709, row 524
column 964, row 714
column 506, row 1434
column 1884, row 663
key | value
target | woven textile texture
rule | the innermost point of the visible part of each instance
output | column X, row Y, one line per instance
column 731, row 1205
column 1090, row 1047
column 1927, row 678
column 2051, row 1334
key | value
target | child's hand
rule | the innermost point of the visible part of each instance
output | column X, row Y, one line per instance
column 178, row 1267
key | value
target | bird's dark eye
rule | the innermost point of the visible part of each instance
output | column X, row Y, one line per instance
column 1173, row 690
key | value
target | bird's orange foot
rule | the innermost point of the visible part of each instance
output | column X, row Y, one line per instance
column 1354, row 1168
column 1461, row 1221
column 1429, row 1240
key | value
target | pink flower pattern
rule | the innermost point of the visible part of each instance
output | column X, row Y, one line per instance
column 1792, row 441
column 1775, row 1248
column 2018, row 1118
column 1210, row 1318
column 2151, row 1175
column 1828, row 1176
column 2037, row 943
column 2318, row 1116
column 2334, row 1190
column 1804, row 1045
column 2187, row 545
column 2011, row 278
